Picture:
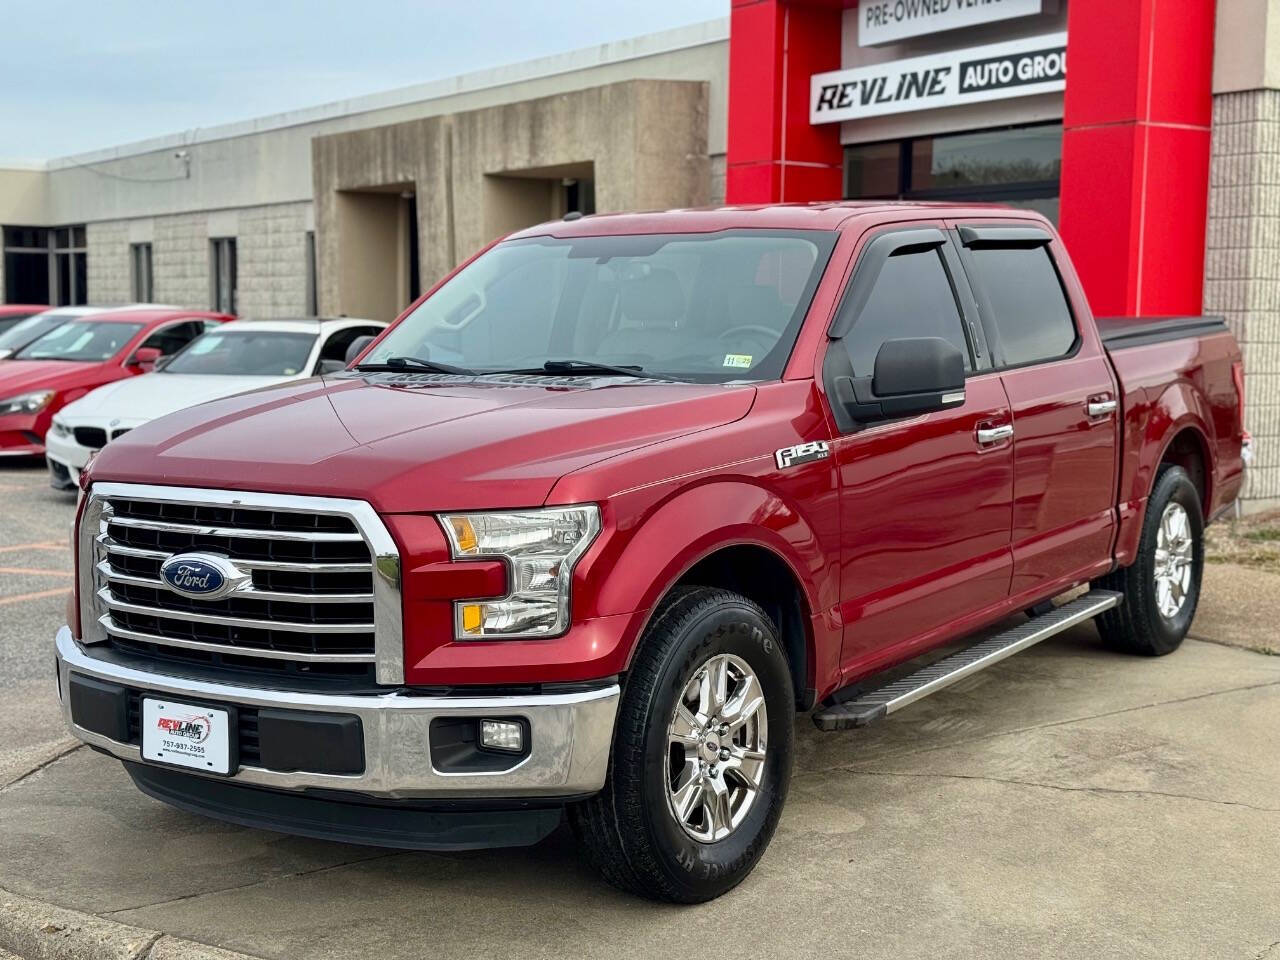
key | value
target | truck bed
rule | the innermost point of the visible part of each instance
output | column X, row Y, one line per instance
column 1120, row 333
column 1175, row 373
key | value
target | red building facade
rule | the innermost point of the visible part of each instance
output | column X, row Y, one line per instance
column 1132, row 136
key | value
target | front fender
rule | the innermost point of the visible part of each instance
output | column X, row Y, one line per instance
column 644, row 559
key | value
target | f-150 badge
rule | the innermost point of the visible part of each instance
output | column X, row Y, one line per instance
column 802, row 453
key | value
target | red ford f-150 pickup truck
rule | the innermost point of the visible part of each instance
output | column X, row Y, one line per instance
column 590, row 524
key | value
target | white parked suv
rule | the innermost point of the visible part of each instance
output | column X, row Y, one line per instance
column 234, row 357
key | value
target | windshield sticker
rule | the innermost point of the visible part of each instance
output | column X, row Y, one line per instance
column 741, row 361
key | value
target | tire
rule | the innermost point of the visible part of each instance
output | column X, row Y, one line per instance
column 630, row 831
column 1138, row 625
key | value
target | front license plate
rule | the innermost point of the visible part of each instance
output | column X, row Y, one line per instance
column 186, row 735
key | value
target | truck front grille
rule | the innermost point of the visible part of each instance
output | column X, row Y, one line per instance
column 322, row 597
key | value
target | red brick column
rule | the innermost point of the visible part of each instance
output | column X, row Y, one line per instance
column 1135, row 153
column 774, row 154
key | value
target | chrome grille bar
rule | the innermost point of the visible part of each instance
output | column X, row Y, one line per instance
column 200, row 530
column 249, row 593
column 115, row 630
column 108, row 600
column 288, row 566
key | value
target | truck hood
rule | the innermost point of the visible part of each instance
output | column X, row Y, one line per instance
column 412, row 443
column 139, row 399
column 23, row 376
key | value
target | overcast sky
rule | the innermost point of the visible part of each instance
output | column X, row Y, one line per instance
column 76, row 75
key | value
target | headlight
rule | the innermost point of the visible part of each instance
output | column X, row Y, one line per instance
column 541, row 548
column 26, row 402
column 60, row 429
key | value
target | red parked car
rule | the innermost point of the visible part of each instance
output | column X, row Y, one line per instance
column 81, row 354
column 593, row 520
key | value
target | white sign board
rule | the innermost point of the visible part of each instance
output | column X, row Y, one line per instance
column 997, row 71
column 884, row 21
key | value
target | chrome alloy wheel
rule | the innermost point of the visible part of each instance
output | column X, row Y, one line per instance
column 1174, row 554
column 716, row 744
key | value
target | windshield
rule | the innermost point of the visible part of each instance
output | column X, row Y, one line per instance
column 245, row 353
column 703, row 307
column 86, row 340
column 20, row 334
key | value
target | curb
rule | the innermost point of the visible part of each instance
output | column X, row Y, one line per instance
column 40, row 931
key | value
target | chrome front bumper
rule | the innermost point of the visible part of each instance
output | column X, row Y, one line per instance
column 571, row 734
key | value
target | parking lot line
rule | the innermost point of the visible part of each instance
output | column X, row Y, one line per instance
column 36, row 571
column 42, row 545
column 4, row 601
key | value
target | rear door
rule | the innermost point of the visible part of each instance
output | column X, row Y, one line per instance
column 926, row 501
column 1064, row 401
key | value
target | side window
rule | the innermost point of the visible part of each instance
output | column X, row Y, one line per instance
column 175, row 336
column 912, row 297
column 1025, row 302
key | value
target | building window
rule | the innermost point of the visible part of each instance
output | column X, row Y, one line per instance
column 312, row 287
column 140, row 267
column 1019, row 166
column 579, row 195
column 45, row 265
column 222, row 251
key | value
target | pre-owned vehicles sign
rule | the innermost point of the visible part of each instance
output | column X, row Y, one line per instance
column 884, row 21
column 997, row 71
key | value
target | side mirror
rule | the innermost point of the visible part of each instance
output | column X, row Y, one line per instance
column 355, row 348
column 912, row 375
column 331, row 366
column 145, row 358
column 162, row 362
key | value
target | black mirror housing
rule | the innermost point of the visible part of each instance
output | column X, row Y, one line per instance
column 912, row 375
column 917, row 365
column 355, row 348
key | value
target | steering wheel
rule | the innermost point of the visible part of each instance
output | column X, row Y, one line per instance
column 756, row 328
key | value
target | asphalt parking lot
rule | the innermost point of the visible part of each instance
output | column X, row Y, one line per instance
column 1068, row 802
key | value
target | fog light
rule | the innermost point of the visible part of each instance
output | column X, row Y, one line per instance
column 505, row 735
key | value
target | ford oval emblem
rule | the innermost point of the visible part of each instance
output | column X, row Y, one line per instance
column 202, row 576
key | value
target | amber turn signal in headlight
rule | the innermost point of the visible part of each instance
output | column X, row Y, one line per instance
column 540, row 548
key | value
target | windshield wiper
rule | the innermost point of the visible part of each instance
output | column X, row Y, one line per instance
column 592, row 366
column 405, row 363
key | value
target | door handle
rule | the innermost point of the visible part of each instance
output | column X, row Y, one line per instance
column 1100, row 408
column 988, row 435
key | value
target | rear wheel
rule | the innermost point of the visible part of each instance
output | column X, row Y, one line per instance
column 1162, row 586
column 701, row 755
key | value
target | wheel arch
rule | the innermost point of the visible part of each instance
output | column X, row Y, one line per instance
column 766, row 578
column 1188, row 447
column 742, row 536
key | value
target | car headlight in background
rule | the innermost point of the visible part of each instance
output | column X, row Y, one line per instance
column 60, row 429
column 26, row 402
column 541, row 548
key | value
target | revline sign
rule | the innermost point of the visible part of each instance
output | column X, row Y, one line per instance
column 884, row 21
column 997, row 71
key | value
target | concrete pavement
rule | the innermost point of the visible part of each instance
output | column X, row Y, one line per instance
column 1069, row 802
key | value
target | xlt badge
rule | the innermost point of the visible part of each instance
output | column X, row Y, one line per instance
column 802, row 453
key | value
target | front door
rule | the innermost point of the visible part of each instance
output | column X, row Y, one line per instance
column 926, row 502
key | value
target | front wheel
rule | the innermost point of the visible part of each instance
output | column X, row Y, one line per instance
column 1162, row 586
column 701, row 756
